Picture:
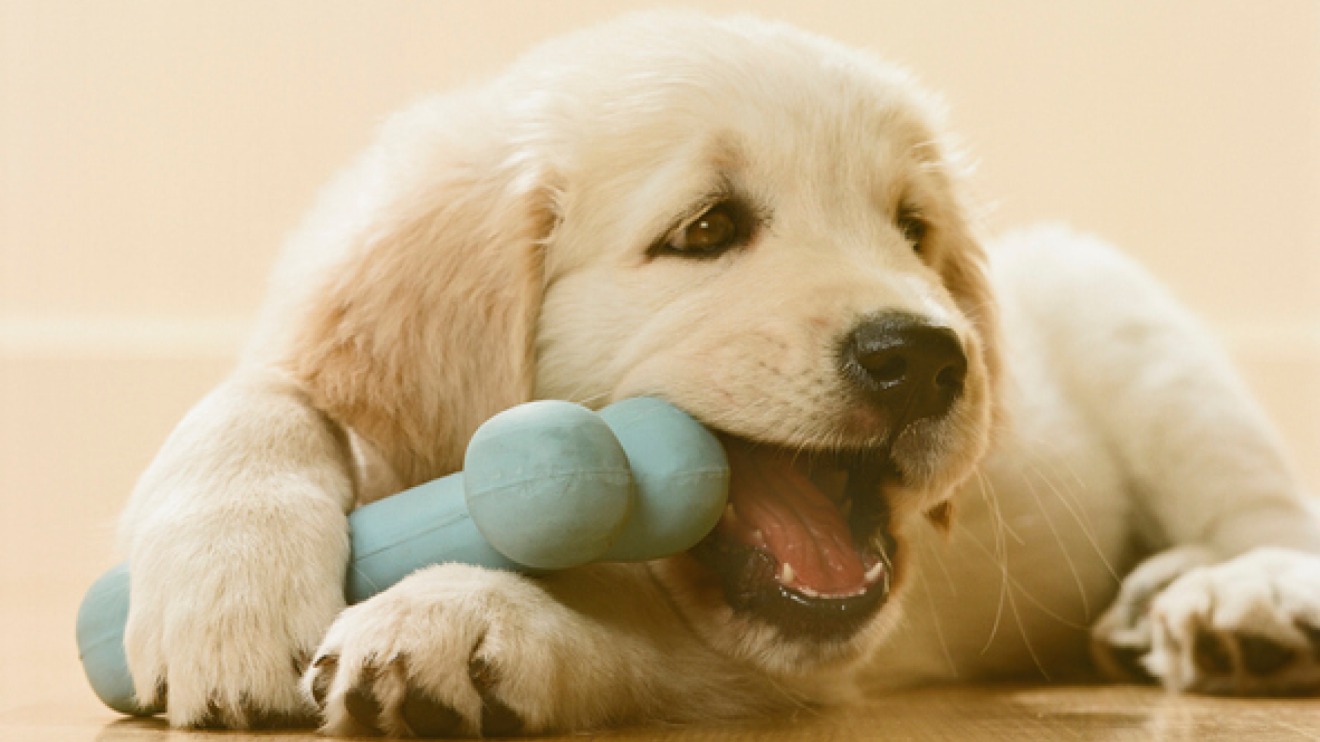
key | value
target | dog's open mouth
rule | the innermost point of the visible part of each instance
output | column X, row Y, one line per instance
column 804, row 542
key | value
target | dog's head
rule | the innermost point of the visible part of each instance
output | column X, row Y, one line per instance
column 761, row 226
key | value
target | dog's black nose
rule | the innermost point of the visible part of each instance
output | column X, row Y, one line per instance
column 911, row 368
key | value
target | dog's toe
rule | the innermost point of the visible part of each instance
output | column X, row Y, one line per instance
column 1122, row 640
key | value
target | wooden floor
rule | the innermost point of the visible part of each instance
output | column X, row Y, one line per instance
column 954, row 714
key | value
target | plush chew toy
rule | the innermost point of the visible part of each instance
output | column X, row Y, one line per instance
column 546, row 485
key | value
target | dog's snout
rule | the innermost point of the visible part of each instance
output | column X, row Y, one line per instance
column 910, row 367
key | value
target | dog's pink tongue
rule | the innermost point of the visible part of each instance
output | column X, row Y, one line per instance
column 799, row 523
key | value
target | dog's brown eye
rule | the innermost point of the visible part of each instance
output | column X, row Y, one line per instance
column 913, row 226
column 712, row 231
column 722, row 226
column 728, row 224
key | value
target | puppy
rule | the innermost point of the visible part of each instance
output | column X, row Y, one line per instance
column 946, row 461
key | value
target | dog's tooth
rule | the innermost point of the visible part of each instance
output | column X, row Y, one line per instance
column 758, row 537
column 874, row 572
column 786, row 575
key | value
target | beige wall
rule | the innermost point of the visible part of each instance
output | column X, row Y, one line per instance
column 155, row 152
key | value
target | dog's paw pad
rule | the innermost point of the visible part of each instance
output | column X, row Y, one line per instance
column 497, row 718
column 427, row 717
column 360, row 701
column 214, row 718
column 1263, row 656
column 1212, row 653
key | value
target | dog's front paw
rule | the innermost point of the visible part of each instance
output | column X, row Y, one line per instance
column 1248, row 626
column 222, row 642
column 455, row 650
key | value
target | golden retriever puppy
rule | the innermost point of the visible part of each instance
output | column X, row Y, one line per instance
column 945, row 459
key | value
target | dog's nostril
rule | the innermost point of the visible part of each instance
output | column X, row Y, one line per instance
column 908, row 366
column 952, row 377
column 886, row 368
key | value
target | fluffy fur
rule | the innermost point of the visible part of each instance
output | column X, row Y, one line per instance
column 496, row 245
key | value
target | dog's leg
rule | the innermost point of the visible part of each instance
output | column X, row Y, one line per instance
column 455, row 650
column 237, row 540
column 1233, row 606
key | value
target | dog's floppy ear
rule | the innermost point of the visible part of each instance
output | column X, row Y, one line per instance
column 425, row 327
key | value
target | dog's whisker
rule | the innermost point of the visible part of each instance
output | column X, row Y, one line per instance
column 1003, row 528
column 1000, row 557
column 1019, row 587
column 1007, row 589
column 1077, row 513
column 1009, row 585
column 1063, row 548
column 1026, row 640
column 939, row 628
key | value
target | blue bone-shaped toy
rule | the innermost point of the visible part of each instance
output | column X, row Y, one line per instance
column 546, row 485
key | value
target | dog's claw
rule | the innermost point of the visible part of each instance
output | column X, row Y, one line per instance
column 327, row 666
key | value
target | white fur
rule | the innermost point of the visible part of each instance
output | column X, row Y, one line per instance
column 491, row 248
column 237, row 535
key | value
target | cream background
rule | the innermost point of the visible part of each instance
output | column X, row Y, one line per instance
column 154, row 153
